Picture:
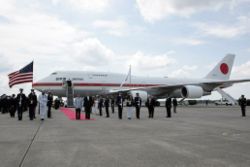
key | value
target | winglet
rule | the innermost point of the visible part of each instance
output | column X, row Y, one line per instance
column 222, row 70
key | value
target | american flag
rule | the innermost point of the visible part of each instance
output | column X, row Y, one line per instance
column 24, row 75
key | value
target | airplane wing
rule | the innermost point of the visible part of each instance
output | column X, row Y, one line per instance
column 231, row 82
column 223, row 84
column 211, row 84
column 168, row 89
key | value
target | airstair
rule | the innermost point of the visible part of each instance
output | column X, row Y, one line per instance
column 69, row 93
column 226, row 96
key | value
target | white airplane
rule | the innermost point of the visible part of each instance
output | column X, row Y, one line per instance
column 102, row 83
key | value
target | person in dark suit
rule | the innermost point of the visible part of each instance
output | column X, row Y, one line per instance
column 1, row 103
column 100, row 105
column 137, row 103
column 13, row 106
column 151, row 103
column 88, row 103
column 21, row 100
column 119, row 103
column 113, row 105
column 4, row 104
column 168, row 105
column 49, row 104
column 8, row 100
column 57, row 103
column 243, row 104
column 32, row 101
column 175, row 105
column 106, row 104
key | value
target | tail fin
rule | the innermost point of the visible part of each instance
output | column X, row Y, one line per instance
column 222, row 70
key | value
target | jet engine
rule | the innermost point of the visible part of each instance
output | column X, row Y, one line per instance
column 192, row 91
column 142, row 94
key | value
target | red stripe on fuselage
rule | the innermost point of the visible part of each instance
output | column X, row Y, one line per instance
column 95, row 84
column 47, row 84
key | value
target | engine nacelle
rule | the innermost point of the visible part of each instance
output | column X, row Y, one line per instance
column 142, row 94
column 192, row 91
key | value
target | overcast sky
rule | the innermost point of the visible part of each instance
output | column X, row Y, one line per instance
column 177, row 38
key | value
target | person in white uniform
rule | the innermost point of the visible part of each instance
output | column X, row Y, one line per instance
column 43, row 105
column 95, row 106
column 129, row 107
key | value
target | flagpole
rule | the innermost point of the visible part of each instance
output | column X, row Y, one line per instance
column 130, row 73
column 33, row 72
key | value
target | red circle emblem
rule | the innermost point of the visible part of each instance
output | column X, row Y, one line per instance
column 224, row 68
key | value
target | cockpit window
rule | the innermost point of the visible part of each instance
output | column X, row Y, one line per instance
column 54, row 73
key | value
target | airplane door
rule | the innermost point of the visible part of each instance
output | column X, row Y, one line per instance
column 69, row 83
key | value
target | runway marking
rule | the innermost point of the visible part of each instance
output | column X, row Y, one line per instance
column 32, row 141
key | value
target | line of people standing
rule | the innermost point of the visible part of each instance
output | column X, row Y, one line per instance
column 8, row 104
column 93, row 105
column 22, row 103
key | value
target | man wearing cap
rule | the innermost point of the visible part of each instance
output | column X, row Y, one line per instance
column 243, row 104
column 137, row 103
column 21, row 100
column 32, row 98
column 119, row 103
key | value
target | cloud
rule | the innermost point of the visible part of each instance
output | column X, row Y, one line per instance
column 5, row 64
column 29, row 35
column 242, row 70
column 92, row 52
column 117, row 27
column 184, row 71
column 85, row 5
column 54, row 44
column 240, row 27
column 142, row 61
column 112, row 27
column 156, row 10
column 188, row 41
column 7, row 6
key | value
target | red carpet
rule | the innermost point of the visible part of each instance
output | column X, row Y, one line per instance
column 71, row 114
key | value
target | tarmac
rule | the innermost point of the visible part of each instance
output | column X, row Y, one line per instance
column 194, row 137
